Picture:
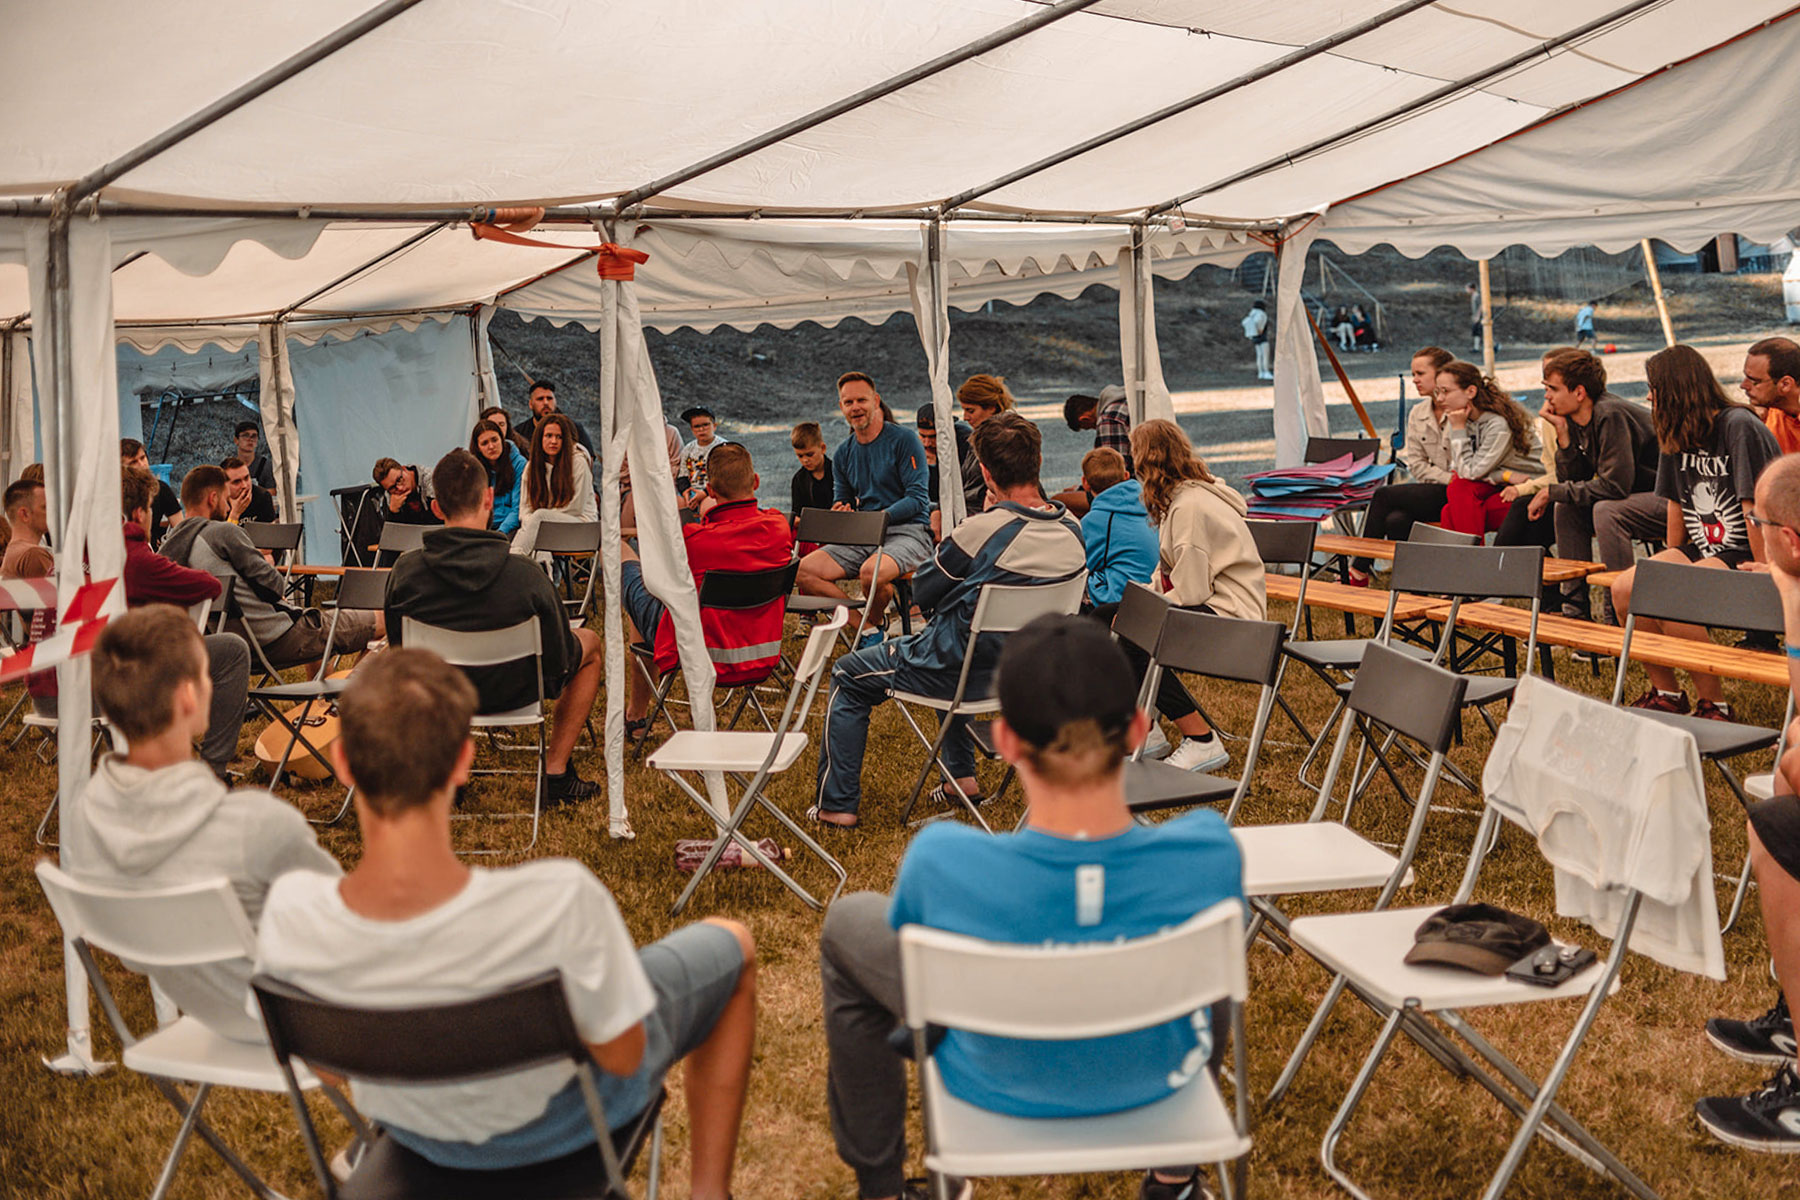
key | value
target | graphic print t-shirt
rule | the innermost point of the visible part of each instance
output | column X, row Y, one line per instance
column 1713, row 483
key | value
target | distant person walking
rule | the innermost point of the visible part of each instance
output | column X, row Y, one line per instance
column 1584, row 323
column 1474, row 317
column 1256, row 328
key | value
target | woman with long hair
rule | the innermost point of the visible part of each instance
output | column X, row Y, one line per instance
column 1492, row 443
column 1713, row 450
column 559, row 482
column 1395, row 507
column 505, row 471
column 1207, row 561
column 981, row 396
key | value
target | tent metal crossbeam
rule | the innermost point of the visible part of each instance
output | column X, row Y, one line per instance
column 1274, row 67
column 1000, row 37
column 386, row 255
column 229, row 103
column 1454, row 88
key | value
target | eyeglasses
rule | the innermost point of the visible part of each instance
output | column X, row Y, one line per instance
column 1768, row 524
column 396, row 487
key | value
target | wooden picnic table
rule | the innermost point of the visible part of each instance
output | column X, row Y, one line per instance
column 309, row 569
column 1365, row 602
column 1556, row 570
column 1657, row 649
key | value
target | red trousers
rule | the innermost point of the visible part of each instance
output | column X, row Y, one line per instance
column 1473, row 506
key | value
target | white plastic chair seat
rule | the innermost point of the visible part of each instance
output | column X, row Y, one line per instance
column 815, row 604
column 1371, row 948
column 1760, row 787
column 531, row 714
column 725, row 750
column 983, row 704
column 38, row 721
column 188, row 1050
column 1313, row 856
column 1193, row 1125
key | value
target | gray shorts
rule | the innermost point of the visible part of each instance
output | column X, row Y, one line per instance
column 306, row 639
column 909, row 546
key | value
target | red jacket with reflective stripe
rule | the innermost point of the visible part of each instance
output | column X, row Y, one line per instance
column 744, row 643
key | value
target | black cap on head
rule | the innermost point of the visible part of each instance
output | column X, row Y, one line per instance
column 927, row 416
column 1476, row 937
column 699, row 410
column 1058, row 670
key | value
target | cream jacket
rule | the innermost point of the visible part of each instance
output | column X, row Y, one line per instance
column 1207, row 555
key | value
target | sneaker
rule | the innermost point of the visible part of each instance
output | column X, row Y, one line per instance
column 872, row 638
column 920, row 1189
column 1662, row 701
column 1766, row 1119
column 1713, row 712
column 1190, row 1188
column 567, row 788
column 1760, row 639
column 1765, row 1039
column 1157, row 744
column 1199, row 754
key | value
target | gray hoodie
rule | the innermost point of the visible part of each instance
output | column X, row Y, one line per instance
column 139, row 828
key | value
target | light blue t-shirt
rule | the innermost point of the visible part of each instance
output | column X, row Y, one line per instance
column 1022, row 888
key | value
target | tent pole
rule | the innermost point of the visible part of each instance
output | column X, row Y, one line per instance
column 868, row 95
column 1662, row 304
column 229, row 103
column 347, row 276
column 7, row 416
column 1487, row 319
column 1449, row 90
column 1140, row 287
column 1293, row 58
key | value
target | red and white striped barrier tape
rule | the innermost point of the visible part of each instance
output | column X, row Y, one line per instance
column 75, row 634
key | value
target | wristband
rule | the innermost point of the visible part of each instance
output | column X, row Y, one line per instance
column 1793, row 651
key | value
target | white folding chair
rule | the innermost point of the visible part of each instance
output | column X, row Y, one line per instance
column 1368, row 950
column 163, row 930
column 1071, row 992
column 491, row 648
column 756, row 755
column 1000, row 608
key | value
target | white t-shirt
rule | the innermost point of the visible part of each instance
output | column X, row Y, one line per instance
column 504, row 927
column 1255, row 322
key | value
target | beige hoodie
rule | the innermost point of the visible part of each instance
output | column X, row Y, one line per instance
column 1207, row 554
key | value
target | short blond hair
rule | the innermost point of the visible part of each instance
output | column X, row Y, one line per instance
column 1103, row 467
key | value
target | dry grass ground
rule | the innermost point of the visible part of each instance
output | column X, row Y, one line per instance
column 1420, row 1135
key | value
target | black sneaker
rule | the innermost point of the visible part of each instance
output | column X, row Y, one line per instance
column 567, row 788
column 920, row 1189
column 1760, row 639
column 1190, row 1188
column 1767, row 1119
column 1765, row 1039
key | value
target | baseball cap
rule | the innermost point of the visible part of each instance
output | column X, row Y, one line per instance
column 699, row 410
column 1476, row 937
column 926, row 417
column 1061, row 669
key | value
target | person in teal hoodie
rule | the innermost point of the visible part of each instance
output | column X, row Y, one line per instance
column 505, row 470
column 1121, row 545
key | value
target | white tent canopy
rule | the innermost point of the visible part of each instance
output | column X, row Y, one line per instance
column 301, row 173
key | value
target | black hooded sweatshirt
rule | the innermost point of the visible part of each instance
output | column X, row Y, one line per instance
column 469, row 579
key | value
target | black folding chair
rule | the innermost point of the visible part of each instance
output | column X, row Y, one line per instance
column 564, row 541
column 525, row 1025
column 1715, row 599
column 1347, row 517
column 733, row 590
column 283, row 541
column 828, row 527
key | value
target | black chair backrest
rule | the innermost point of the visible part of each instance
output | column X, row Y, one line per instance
column 747, row 589
column 524, row 1025
column 1707, row 596
column 1139, row 620
column 1324, row 449
column 401, row 536
column 1221, row 647
column 828, row 527
column 568, row 537
column 1284, row 542
column 1437, row 535
column 362, row 590
column 268, row 535
column 1510, row 572
column 1412, row 697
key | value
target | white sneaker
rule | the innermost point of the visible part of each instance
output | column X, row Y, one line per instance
column 1157, row 744
column 1199, row 754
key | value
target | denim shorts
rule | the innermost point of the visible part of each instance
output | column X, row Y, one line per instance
column 908, row 545
column 693, row 972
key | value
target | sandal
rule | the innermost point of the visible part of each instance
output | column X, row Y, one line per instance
column 942, row 796
column 818, row 817
column 638, row 730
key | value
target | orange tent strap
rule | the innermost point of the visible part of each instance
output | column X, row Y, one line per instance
column 612, row 261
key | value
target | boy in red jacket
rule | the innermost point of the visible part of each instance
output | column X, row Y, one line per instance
column 150, row 578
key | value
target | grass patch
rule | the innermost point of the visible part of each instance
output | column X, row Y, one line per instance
column 1420, row 1133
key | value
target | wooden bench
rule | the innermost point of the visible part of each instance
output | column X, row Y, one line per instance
column 1363, row 602
column 1657, row 649
column 1556, row 570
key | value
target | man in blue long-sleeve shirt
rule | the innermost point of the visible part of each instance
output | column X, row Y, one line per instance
column 880, row 467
